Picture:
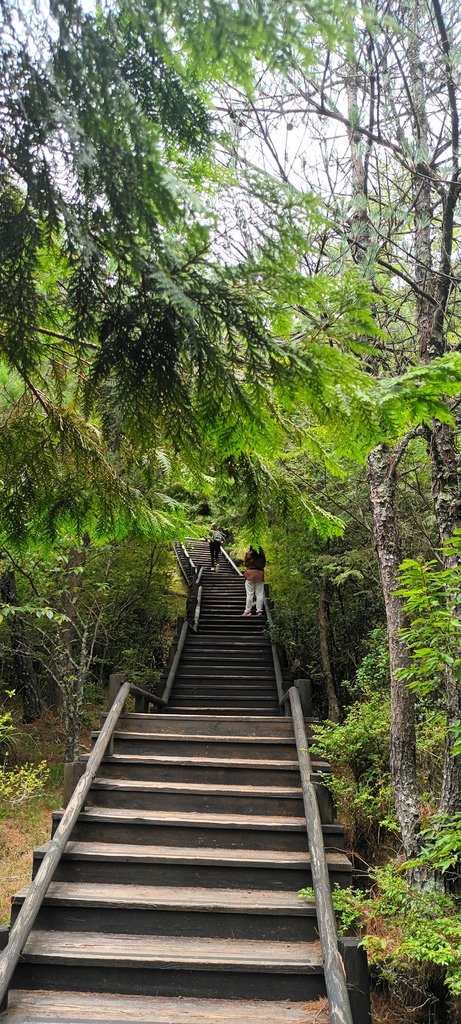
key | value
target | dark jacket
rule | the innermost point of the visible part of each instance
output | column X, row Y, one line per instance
column 253, row 560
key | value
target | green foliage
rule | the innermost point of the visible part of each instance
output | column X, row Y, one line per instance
column 432, row 598
column 441, row 843
column 358, row 748
column 347, row 905
column 17, row 783
column 6, row 726
column 408, row 932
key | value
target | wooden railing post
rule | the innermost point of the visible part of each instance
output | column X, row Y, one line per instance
column 357, row 978
column 73, row 771
column 116, row 681
column 304, row 687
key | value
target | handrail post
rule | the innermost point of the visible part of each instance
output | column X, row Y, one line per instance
column 73, row 771
column 304, row 687
column 335, row 978
column 116, row 681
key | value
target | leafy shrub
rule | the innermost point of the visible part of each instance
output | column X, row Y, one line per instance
column 20, row 784
column 17, row 784
column 410, row 935
column 358, row 749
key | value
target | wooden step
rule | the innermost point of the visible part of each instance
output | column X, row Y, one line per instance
column 209, row 699
column 228, row 660
column 188, row 866
column 219, row 642
column 165, row 965
column 203, row 658
column 221, row 690
column 243, row 725
column 166, row 910
column 144, row 794
column 254, row 747
column 39, row 1007
column 207, row 796
column 210, row 759
column 163, row 827
column 244, row 680
column 188, row 709
column 198, row 768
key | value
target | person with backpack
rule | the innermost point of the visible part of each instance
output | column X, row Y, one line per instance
column 255, row 561
column 216, row 539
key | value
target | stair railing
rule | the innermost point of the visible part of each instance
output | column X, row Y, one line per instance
column 192, row 568
column 196, row 604
column 191, row 622
column 38, row 888
column 335, row 976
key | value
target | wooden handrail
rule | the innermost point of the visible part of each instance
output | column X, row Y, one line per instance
column 198, row 605
column 229, row 559
column 151, row 698
column 175, row 549
column 39, row 886
column 174, row 664
column 335, row 977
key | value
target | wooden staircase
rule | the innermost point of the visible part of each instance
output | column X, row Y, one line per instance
column 176, row 899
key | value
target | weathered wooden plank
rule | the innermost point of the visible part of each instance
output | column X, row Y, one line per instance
column 171, row 951
column 191, row 788
column 143, row 896
column 208, row 855
column 274, row 823
column 77, row 1008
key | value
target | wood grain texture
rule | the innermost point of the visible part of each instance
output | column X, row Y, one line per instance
column 180, row 854
column 78, row 1008
column 273, row 823
column 171, row 951
column 157, row 897
column 193, row 788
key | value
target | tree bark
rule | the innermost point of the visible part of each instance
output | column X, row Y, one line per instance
column 332, row 700
column 69, row 660
column 437, row 282
column 382, row 483
column 25, row 682
column 382, row 489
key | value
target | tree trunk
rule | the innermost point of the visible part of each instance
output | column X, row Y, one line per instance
column 25, row 682
column 382, row 486
column 332, row 700
column 69, row 659
column 381, row 479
